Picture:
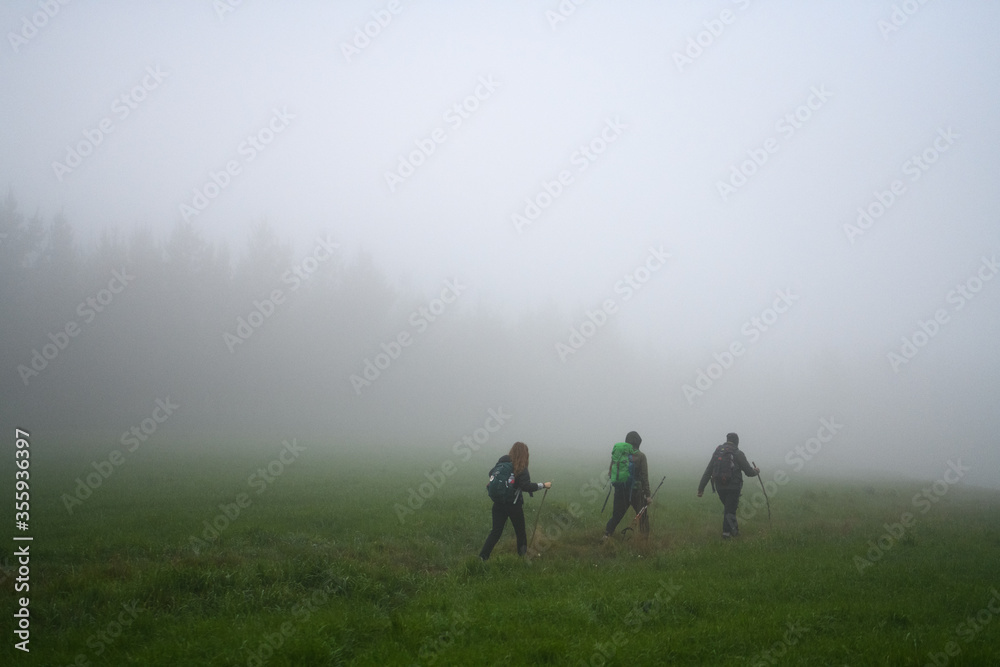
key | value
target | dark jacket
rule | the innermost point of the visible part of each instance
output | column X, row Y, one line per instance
column 640, row 485
column 522, row 482
column 742, row 466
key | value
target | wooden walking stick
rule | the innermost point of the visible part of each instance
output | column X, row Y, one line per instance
column 765, row 493
column 638, row 515
column 538, row 516
column 607, row 496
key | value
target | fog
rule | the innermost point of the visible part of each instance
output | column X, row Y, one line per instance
column 395, row 226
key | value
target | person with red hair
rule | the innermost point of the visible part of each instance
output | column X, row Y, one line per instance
column 511, row 504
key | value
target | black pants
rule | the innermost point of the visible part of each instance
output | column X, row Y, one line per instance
column 622, row 502
column 502, row 512
column 730, row 503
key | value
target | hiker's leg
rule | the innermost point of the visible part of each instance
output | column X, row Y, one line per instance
column 618, row 511
column 638, row 502
column 734, row 506
column 730, row 501
column 723, row 498
column 499, row 519
column 517, row 520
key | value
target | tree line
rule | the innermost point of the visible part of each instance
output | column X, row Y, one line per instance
column 259, row 340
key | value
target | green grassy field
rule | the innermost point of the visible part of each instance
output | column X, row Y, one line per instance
column 181, row 557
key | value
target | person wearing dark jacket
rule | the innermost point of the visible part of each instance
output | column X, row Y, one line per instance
column 640, row 487
column 728, row 489
column 514, row 511
column 637, row 496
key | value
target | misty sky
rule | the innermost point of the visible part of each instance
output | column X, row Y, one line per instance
column 692, row 166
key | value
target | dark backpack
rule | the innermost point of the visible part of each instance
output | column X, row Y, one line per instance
column 724, row 468
column 501, row 485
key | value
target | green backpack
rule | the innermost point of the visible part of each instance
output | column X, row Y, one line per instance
column 501, row 485
column 621, row 463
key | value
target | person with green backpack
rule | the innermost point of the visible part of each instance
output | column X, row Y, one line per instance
column 725, row 471
column 509, row 479
column 630, row 480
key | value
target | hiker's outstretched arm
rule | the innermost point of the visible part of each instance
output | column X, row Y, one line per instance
column 741, row 460
column 646, row 488
column 705, row 477
column 524, row 483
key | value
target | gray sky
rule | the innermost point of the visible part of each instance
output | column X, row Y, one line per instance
column 741, row 138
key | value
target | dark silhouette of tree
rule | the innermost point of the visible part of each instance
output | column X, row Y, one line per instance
column 265, row 343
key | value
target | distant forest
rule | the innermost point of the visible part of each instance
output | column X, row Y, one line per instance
column 259, row 341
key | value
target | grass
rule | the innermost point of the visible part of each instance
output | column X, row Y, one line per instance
column 318, row 568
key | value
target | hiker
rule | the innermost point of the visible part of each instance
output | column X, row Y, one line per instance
column 725, row 470
column 630, row 481
column 509, row 478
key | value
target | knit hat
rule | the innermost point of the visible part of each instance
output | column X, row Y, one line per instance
column 733, row 438
column 633, row 439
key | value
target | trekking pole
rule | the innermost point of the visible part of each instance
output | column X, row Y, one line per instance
column 538, row 516
column 765, row 493
column 607, row 496
column 639, row 514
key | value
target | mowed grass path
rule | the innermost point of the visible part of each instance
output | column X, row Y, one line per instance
column 317, row 568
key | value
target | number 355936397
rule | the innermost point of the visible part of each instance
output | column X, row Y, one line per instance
column 21, row 488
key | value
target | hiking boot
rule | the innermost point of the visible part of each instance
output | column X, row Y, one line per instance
column 726, row 536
